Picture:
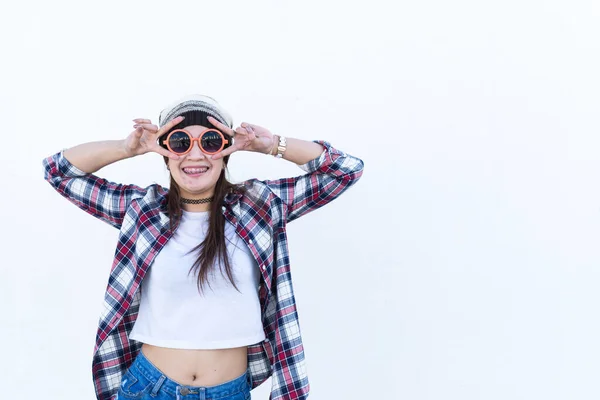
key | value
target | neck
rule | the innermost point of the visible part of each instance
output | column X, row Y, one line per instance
column 196, row 203
column 196, row 207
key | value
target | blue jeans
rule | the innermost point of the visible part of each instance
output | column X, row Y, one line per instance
column 143, row 381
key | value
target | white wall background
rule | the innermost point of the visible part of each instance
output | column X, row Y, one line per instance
column 464, row 264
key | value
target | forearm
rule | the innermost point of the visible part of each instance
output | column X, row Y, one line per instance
column 92, row 156
column 328, row 175
column 299, row 151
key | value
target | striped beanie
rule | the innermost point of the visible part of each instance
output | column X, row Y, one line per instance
column 195, row 102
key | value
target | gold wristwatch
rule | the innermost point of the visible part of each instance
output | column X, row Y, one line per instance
column 281, row 147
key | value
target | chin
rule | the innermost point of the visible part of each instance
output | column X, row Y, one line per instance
column 196, row 186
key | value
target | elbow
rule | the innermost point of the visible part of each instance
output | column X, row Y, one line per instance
column 356, row 171
column 360, row 167
column 48, row 168
column 52, row 173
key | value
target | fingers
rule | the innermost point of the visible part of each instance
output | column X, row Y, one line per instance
column 252, row 130
column 143, row 124
column 249, row 135
column 220, row 126
column 149, row 127
column 166, row 153
column 157, row 148
column 241, row 131
column 137, row 134
column 169, row 125
column 250, row 127
column 223, row 153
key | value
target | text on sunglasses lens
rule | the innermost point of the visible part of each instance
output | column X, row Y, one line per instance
column 179, row 142
column 211, row 142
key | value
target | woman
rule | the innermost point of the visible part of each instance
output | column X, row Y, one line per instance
column 199, row 303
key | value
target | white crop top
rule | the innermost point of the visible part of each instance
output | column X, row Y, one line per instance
column 172, row 311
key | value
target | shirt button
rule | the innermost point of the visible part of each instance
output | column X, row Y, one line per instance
column 263, row 267
column 250, row 241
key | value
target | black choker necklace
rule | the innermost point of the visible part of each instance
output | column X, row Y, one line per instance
column 197, row 201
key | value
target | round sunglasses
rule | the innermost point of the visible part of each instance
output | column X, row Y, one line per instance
column 180, row 141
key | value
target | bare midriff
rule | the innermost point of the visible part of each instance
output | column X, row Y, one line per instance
column 198, row 367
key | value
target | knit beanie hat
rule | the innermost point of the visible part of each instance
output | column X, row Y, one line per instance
column 197, row 107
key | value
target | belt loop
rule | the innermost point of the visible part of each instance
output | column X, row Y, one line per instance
column 157, row 386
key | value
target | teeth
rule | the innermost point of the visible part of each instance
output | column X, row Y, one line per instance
column 195, row 170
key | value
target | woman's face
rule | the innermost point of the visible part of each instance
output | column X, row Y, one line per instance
column 198, row 181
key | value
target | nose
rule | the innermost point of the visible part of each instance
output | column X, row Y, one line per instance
column 195, row 152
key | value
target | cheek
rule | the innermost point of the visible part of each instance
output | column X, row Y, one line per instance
column 173, row 165
column 216, row 172
column 218, row 167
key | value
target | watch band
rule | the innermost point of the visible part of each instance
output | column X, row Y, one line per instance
column 281, row 147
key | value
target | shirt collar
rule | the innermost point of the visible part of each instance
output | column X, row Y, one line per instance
column 230, row 199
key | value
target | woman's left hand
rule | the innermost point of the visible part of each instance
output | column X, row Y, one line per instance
column 248, row 137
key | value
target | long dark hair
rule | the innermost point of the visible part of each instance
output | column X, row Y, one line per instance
column 213, row 249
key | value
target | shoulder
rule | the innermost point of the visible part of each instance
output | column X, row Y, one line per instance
column 255, row 187
column 153, row 195
column 259, row 202
column 255, row 191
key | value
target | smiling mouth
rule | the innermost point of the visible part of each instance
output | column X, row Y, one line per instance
column 195, row 171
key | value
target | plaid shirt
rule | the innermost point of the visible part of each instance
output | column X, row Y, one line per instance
column 260, row 217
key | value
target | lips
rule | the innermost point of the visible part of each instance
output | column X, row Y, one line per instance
column 195, row 170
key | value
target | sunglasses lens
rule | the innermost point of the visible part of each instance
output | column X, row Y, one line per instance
column 179, row 142
column 211, row 142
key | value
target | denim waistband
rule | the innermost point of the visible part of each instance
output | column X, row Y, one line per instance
column 163, row 383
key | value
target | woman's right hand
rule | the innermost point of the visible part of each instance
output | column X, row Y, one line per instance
column 144, row 138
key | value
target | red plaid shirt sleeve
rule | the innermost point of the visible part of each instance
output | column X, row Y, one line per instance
column 328, row 176
column 107, row 201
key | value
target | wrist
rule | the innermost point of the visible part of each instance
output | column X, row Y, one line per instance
column 273, row 149
column 125, row 151
column 280, row 147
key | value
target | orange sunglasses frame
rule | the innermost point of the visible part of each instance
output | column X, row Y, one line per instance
column 226, row 140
